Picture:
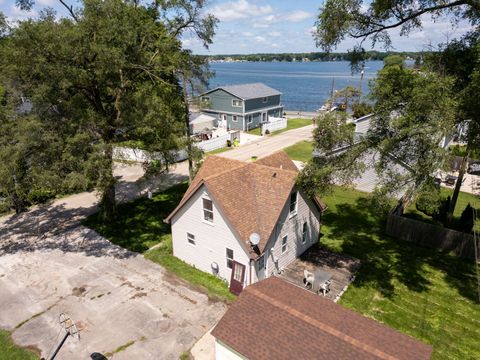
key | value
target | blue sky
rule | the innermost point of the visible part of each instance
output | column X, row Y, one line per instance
column 272, row 26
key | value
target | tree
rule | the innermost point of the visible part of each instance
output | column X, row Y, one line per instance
column 413, row 112
column 346, row 94
column 362, row 20
column 110, row 72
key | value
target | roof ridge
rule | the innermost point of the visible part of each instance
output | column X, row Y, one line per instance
column 319, row 324
column 239, row 166
column 273, row 167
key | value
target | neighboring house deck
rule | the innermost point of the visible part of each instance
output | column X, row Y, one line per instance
column 243, row 107
column 243, row 221
column 274, row 319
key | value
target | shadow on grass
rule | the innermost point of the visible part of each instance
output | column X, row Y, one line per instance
column 139, row 224
column 357, row 229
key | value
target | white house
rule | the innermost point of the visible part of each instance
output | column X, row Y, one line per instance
column 244, row 221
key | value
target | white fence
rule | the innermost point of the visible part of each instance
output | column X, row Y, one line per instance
column 274, row 124
column 139, row 155
column 219, row 142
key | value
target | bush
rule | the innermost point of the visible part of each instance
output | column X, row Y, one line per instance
column 361, row 109
column 467, row 220
column 429, row 201
column 267, row 132
column 39, row 196
column 441, row 215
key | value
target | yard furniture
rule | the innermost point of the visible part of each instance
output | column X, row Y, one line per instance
column 450, row 180
column 318, row 282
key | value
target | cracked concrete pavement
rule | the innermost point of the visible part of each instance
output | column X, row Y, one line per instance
column 51, row 264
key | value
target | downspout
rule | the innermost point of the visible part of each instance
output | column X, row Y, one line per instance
column 243, row 114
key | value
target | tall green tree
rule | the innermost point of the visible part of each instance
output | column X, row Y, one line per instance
column 413, row 112
column 110, row 73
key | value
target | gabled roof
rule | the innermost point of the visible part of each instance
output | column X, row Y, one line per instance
column 273, row 319
column 248, row 91
column 250, row 195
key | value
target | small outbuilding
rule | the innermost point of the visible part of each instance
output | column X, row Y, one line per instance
column 274, row 319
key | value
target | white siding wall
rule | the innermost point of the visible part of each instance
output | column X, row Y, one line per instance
column 211, row 239
column 292, row 227
column 224, row 352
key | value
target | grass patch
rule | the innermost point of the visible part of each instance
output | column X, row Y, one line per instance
column 221, row 150
column 301, row 151
column 257, row 131
column 416, row 290
column 463, row 200
column 120, row 348
column 139, row 226
column 294, row 124
column 10, row 351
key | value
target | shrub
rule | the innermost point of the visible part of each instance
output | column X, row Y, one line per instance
column 467, row 220
column 361, row 109
column 267, row 132
column 429, row 201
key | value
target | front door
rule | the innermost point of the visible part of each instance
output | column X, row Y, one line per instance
column 238, row 277
column 264, row 117
column 224, row 121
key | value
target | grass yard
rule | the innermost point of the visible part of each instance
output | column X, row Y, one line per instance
column 9, row 351
column 415, row 290
column 221, row 150
column 291, row 124
column 139, row 226
column 301, row 151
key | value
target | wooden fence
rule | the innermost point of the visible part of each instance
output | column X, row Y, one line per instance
column 432, row 236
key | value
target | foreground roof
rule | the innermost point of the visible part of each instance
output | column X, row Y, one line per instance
column 273, row 319
column 249, row 91
column 250, row 195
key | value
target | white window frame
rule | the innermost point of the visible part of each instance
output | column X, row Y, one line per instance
column 234, row 118
column 206, row 210
column 239, row 102
column 293, row 212
column 265, row 99
column 229, row 259
column 284, row 247
column 304, row 232
column 191, row 239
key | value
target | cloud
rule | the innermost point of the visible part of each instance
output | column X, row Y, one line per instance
column 260, row 39
column 274, row 33
column 298, row 15
column 18, row 14
column 47, row 2
column 239, row 9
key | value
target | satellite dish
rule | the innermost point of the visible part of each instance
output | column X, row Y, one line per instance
column 254, row 239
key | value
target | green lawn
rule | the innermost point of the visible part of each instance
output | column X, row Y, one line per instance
column 291, row 124
column 9, row 351
column 139, row 226
column 415, row 290
column 301, row 151
column 221, row 150
column 463, row 200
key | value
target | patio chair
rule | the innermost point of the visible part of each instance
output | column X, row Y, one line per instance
column 308, row 279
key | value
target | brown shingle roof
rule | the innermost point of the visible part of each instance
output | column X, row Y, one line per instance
column 274, row 319
column 250, row 195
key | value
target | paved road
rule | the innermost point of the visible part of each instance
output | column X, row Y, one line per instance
column 50, row 263
column 269, row 144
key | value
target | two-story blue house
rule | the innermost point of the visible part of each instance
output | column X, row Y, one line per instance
column 243, row 107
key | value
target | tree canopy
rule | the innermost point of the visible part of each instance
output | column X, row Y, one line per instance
column 108, row 73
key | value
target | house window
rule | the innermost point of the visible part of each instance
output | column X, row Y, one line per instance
column 229, row 254
column 234, row 118
column 236, row 103
column 284, row 244
column 304, row 232
column 207, row 210
column 249, row 119
column 191, row 238
column 265, row 99
column 261, row 262
column 293, row 203
column 205, row 99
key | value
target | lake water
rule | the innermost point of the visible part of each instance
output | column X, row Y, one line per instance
column 304, row 86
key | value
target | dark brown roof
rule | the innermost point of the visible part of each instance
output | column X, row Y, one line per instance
column 250, row 195
column 273, row 319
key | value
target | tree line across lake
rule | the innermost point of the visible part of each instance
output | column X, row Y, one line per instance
column 314, row 56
